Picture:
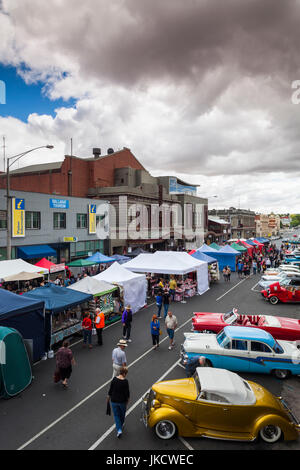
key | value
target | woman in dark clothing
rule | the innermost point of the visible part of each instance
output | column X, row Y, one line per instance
column 118, row 395
column 64, row 362
column 155, row 331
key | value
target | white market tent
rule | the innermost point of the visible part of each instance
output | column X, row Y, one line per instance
column 16, row 266
column 90, row 285
column 134, row 285
column 171, row 262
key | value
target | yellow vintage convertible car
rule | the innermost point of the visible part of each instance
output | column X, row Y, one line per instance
column 219, row 404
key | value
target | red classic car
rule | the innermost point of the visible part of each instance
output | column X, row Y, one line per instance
column 283, row 292
column 279, row 327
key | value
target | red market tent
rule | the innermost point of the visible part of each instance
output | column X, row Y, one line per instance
column 250, row 248
column 260, row 245
column 44, row 263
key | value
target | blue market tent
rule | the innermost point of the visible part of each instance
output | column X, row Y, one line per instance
column 27, row 317
column 99, row 258
column 207, row 249
column 56, row 300
column 262, row 240
column 203, row 257
column 230, row 250
column 251, row 242
column 224, row 256
column 121, row 258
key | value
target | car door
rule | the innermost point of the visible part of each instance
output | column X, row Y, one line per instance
column 235, row 356
column 261, row 357
column 213, row 415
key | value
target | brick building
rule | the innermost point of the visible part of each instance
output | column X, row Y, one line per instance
column 119, row 177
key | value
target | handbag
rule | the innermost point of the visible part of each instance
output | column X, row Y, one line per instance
column 56, row 376
column 160, row 332
column 108, row 408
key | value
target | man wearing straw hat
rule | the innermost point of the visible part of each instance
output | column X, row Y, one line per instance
column 119, row 357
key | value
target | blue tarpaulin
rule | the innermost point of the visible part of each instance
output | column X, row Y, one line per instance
column 99, row 258
column 35, row 251
column 204, row 257
column 223, row 257
column 27, row 317
column 56, row 300
column 121, row 258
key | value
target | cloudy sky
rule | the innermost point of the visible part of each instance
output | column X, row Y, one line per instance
column 203, row 89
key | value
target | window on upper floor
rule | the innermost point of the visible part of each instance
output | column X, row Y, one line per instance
column 32, row 220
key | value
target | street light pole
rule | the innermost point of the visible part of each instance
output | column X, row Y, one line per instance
column 8, row 197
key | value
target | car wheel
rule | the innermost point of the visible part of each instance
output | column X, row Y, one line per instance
column 274, row 300
column 281, row 373
column 270, row 433
column 165, row 429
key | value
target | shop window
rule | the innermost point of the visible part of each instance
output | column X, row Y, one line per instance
column 81, row 220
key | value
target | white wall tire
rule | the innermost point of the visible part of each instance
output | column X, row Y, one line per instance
column 274, row 300
column 165, row 429
column 281, row 373
column 270, row 433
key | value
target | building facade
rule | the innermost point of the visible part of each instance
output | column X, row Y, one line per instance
column 242, row 221
column 65, row 224
column 141, row 210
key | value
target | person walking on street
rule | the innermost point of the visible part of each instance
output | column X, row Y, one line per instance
column 240, row 267
column 119, row 357
column 254, row 267
column 228, row 273
column 171, row 324
column 166, row 302
column 87, row 327
column 155, row 331
column 119, row 395
column 64, row 362
column 127, row 321
column 99, row 325
column 159, row 301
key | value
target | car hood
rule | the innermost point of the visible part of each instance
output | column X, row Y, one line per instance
column 207, row 318
column 290, row 323
column 181, row 388
column 199, row 342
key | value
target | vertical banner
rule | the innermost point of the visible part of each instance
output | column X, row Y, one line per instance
column 92, row 218
column 18, row 217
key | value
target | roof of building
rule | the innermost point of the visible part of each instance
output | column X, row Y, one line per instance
column 218, row 221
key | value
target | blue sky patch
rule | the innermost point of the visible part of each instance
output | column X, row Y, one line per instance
column 18, row 100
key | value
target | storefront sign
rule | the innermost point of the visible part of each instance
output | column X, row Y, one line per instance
column 57, row 268
column 92, row 218
column 70, row 239
column 18, row 217
column 59, row 203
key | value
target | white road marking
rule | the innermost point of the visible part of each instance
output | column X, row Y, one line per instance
column 255, row 290
column 227, row 292
column 90, row 396
column 185, row 443
column 109, row 431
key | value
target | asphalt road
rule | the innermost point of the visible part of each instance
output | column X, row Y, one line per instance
column 46, row 416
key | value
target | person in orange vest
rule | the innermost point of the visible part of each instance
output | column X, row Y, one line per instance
column 99, row 325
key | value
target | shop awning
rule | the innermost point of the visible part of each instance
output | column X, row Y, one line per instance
column 35, row 251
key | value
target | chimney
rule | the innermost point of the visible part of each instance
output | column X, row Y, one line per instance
column 96, row 152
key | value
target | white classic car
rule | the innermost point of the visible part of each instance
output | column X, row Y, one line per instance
column 243, row 349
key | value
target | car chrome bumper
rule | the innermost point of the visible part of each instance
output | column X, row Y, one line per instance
column 295, row 420
column 145, row 413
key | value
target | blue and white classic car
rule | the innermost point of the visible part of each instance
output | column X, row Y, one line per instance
column 244, row 349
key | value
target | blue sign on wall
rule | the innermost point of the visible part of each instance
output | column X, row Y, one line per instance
column 59, row 203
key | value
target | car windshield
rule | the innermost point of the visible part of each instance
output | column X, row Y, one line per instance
column 222, row 339
column 277, row 348
column 197, row 382
column 229, row 317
